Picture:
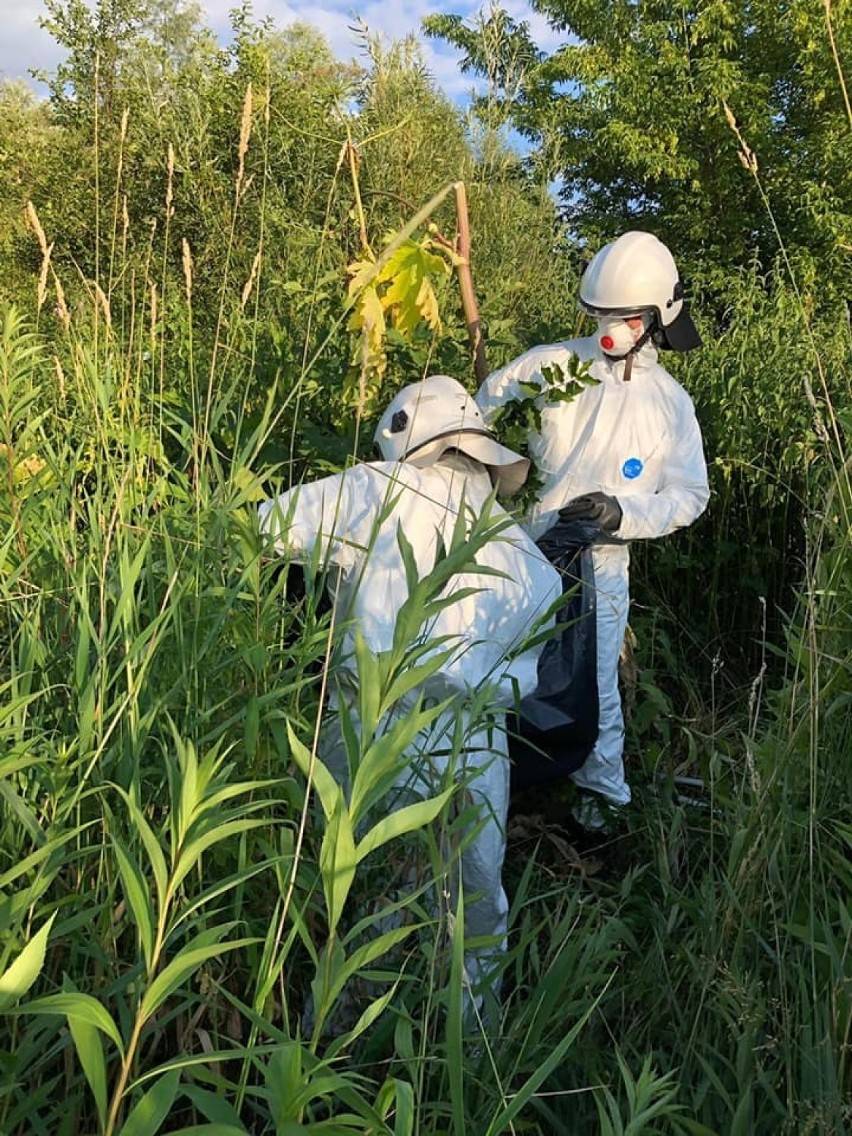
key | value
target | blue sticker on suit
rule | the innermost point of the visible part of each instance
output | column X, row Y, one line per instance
column 632, row 468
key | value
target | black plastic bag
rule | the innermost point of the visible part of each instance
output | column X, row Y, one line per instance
column 557, row 726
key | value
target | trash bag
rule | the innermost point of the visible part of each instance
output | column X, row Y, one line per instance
column 557, row 725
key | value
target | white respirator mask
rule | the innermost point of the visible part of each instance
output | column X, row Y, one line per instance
column 615, row 336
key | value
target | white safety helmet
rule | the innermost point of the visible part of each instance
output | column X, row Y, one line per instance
column 637, row 274
column 426, row 419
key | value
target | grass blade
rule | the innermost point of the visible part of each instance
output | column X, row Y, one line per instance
column 203, row 947
column 17, row 979
column 504, row 1118
column 79, row 1005
column 150, row 1112
column 87, row 1042
column 407, row 819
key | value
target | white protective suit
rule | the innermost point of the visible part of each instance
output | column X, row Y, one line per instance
column 638, row 441
column 341, row 512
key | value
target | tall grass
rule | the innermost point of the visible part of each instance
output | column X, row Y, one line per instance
column 160, row 747
column 180, row 872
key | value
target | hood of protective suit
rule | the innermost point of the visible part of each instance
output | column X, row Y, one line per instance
column 426, row 419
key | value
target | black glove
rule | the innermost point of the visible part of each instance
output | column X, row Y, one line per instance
column 598, row 507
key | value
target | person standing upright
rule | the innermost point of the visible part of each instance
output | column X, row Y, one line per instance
column 626, row 451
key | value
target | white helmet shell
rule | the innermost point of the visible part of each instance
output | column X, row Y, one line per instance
column 634, row 274
column 426, row 419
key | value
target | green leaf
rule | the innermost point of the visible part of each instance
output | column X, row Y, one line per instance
column 284, row 1074
column 455, row 1019
column 385, row 759
column 20, row 976
column 407, row 819
column 129, row 574
column 14, row 804
column 151, row 842
column 87, row 1042
column 398, row 1096
column 412, row 677
column 195, row 847
column 337, row 861
column 326, row 787
column 190, row 789
column 203, row 947
column 371, row 950
column 82, row 1006
column 137, row 893
column 81, row 655
column 153, row 1108
column 334, row 969
column 370, row 1014
column 251, row 730
column 214, row 1129
column 219, row 1111
column 369, row 688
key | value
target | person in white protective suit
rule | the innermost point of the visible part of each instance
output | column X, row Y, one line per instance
column 625, row 452
column 439, row 459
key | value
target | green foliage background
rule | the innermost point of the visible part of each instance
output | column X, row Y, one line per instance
column 178, row 225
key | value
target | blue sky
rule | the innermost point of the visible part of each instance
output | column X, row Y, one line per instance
column 25, row 46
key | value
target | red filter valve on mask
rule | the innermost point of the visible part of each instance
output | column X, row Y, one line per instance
column 615, row 335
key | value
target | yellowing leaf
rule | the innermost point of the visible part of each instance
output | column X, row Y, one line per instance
column 368, row 314
column 427, row 305
column 410, row 296
column 369, row 358
column 415, row 259
column 361, row 273
column 25, row 468
column 400, row 293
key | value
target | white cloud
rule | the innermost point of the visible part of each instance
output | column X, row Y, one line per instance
column 24, row 46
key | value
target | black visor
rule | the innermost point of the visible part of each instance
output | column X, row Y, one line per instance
column 681, row 334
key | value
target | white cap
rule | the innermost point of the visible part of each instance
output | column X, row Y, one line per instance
column 426, row 419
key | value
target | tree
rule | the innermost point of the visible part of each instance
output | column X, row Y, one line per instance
column 632, row 115
column 97, row 41
column 28, row 141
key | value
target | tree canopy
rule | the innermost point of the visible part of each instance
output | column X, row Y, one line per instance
column 647, row 111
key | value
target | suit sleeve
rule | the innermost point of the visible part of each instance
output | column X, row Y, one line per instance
column 503, row 386
column 683, row 491
column 319, row 518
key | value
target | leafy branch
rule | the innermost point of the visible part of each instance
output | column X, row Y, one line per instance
column 519, row 420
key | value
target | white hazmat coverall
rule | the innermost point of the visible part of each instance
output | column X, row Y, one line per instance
column 341, row 512
column 638, row 441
